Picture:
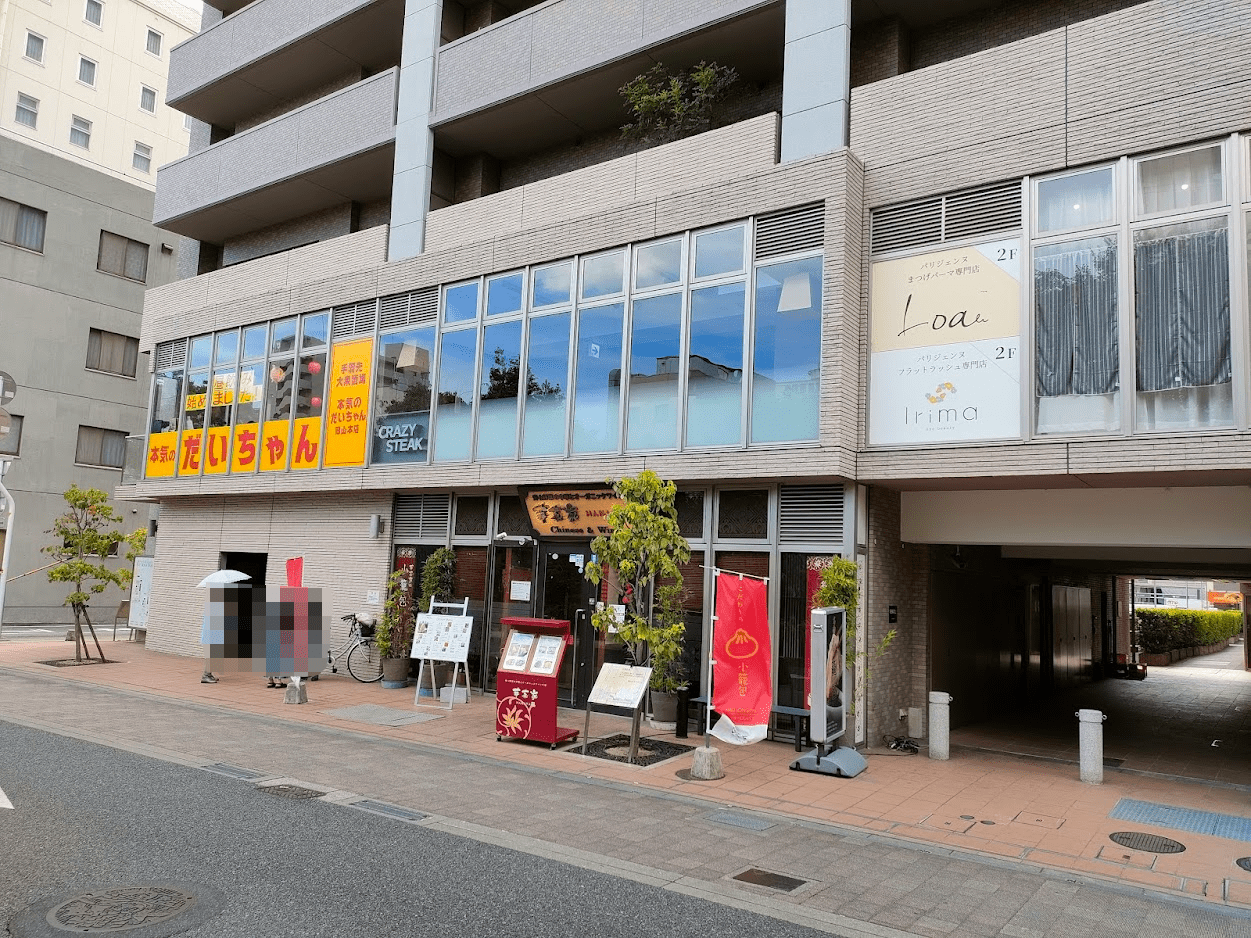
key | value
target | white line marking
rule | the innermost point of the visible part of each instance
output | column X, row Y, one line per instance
column 4, row 800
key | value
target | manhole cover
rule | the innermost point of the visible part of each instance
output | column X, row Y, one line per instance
column 771, row 880
column 124, row 909
column 1148, row 843
column 294, row 792
column 1245, row 863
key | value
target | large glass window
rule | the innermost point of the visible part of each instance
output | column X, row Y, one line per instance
column 1180, row 181
column 498, row 387
column 22, row 225
column 603, row 275
column 547, row 376
column 460, row 303
column 658, row 265
column 714, row 390
column 655, row 372
column 458, row 355
column 402, row 400
column 166, row 401
column 719, row 252
column 504, row 294
column 786, row 366
column 552, row 284
column 1082, row 200
column 597, row 387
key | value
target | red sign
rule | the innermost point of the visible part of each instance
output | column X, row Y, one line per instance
column 741, row 652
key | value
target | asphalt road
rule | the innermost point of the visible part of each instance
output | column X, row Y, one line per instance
column 89, row 816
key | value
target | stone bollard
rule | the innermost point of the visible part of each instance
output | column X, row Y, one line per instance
column 1090, row 745
column 707, row 764
column 296, row 692
column 940, row 725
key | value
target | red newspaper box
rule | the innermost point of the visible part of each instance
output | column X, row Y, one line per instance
column 527, row 682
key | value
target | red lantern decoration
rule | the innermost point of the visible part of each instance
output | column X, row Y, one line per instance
column 276, row 374
column 315, row 402
column 314, row 367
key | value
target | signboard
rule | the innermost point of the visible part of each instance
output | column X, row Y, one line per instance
column 162, row 455
column 442, row 638
column 742, row 657
column 216, row 450
column 946, row 331
column 189, row 452
column 620, row 685
column 518, row 652
column 306, row 443
column 140, row 593
column 8, row 389
column 347, row 422
column 578, row 513
column 402, row 438
column 827, row 704
column 244, row 451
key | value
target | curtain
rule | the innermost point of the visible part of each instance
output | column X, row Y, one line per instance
column 1075, row 290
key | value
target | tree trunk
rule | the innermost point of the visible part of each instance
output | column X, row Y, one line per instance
column 78, row 636
column 93, row 635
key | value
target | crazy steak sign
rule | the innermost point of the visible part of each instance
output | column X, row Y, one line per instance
column 401, row 437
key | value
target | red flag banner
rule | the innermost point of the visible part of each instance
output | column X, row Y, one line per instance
column 742, row 656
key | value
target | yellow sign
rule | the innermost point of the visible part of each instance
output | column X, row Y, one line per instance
column 570, row 512
column 274, row 438
column 162, row 455
column 347, row 423
column 196, row 401
column 189, row 452
column 217, row 451
column 306, row 443
column 244, row 451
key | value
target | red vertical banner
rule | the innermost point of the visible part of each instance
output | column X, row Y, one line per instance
column 742, row 659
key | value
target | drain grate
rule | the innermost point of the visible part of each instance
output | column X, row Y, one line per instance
column 745, row 821
column 771, row 880
column 1244, row 863
column 393, row 811
column 294, row 792
column 1229, row 826
column 1148, row 843
column 232, row 771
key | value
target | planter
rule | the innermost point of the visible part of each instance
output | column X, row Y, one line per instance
column 664, row 710
column 395, row 673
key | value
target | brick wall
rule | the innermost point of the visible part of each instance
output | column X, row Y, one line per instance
column 316, row 226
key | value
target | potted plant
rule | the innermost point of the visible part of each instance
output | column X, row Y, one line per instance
column 438, row 581
column 395, row 633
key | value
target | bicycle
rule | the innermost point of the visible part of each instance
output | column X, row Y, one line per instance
column 901, row 743
column 363, row 660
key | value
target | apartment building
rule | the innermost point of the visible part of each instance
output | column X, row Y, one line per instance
column 83, row 128
column 958, row 290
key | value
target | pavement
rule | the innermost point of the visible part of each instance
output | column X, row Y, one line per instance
column 984, row 844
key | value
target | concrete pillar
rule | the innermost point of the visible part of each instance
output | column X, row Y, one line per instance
column 940, row 725
column 1090, row 745
column 707, row 764
column 414, row 141
column 816, row 80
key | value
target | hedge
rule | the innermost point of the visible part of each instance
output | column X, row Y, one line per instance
column 1161, row 630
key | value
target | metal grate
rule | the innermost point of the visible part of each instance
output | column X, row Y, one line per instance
column 1148, row 843
column 771, row 880
column 422, row 517
column 906, row 226
column 1212, row 823
column 354, row 319
column 790, row 231
column 293, row 792
column 406, row 309
column 171, row 355
column 811, row 514
column 393, row 811
column 233, row 771
column 947, row 218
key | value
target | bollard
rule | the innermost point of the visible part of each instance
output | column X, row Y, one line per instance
column 940, row 725
column 1090, row 745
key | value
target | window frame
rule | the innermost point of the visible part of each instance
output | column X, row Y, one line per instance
column 1134, row 184
column 19, row 107
column 22, row 206
column 129, row 241
column 43, row 46
column 98, row 5
column 160, row 42
column 105, row 371
column 1036, row 235
column 136, row 155
column 104, row 436
column 95, row 71
column 75, row 121
column 144, row 89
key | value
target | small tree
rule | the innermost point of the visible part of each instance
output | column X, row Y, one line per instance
column 838, row 588
column 395, row 625
column 669, row 105
column 84, row 536
column 644, row 548
column 438, row 578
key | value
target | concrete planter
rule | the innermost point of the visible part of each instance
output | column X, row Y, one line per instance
column 395, row 673
column 1160, row 659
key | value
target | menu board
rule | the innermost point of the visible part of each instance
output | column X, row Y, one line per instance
column 442, row 638
column 517, row 652
column 547, row 654
column 620, row 685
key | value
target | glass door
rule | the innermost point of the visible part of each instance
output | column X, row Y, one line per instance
column 566, row 594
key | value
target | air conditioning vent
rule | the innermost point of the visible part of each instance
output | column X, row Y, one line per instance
column 422, row 517
column 791, row 231
column 407, row 309
column 171, row 355
column 953, row 217
column 906, row 226
column 811, row 514
column 355, row 319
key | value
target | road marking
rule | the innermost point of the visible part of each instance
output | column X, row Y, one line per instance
column 4, row 800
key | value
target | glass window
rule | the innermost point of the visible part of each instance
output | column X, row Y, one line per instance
column 108, row 351
column 1181, row 304
column 498, row 390
column 251, row 393
column 86, row 71
column 142, row 158
column 11, row 442
column 504, row 295
column 460, row 303
column 458, row 354
column 1180, row 182
column 22, row 225
column 147, row 99
column 227, row 348
column 714, row 391
column 283, row 337
column 122, row 257
column 153, row 43
column 80, row 132
column 316, row 331
column 1083, row 200
column 786, row 365
column 94, row 12
column 402, row 399
column 552, row 284
column 719, row 252
column 34, row 47
column 547, row 373
column 655, row 368
column 603, row 275
column 657, row 265
column 100, row 447
column 311, row 393
column 597, row 387
column 1077, row 349
column 201, row 352
column 27, row 110
column 166, row 401
column 254, row 342
column 196, row 399
column 221, row 407
column 281, row 389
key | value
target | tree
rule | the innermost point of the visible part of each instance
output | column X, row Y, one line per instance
column 669, row 105
column 85, row 535
column 838, row 588
column 644, row 548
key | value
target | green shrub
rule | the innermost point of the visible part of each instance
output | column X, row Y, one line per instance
column 1162, row 630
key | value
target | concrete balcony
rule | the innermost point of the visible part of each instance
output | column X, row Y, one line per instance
column 273, row 51
column 337, row 149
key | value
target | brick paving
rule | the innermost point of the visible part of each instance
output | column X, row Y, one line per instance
column 904, row 847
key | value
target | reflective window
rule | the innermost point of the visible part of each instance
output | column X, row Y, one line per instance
column 504, row 295
column 223, row 398
column 1180, row 181
column 1083, row 200
column 402, row 400
column 201, row 352
column 196, row 400
column 714, row 391
column 597, row 388
column 460, row 303
column 552, row 284
column 658, row 265
column 227, row 348
column 603, row 275
column 547, row 372
column 498, row 390
column 251, row 394
column 283, row 338
column 316, row 331
column 281, row 389
column 166, row 401
column 254, row 342
column 655, row 369
column 311, row 392
column 786, row 367
column 719, row 252
column 458, row 355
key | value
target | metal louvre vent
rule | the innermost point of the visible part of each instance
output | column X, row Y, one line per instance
column 905, row 226
column 947, row 218
column 355, row 319
column 171, row 355
column 790, row 231
column 424, row 517
column 811, row 514
column 406, row 309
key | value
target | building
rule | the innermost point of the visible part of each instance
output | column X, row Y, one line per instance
column 961, row 291
column 83, row 127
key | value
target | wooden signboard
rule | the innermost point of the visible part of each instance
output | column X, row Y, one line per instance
column 581, row 513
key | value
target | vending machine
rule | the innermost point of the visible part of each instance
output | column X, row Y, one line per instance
column 527, row 682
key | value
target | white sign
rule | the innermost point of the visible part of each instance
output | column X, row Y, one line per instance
column 442, row 638
column 372, row 597
column 518, row 652
column 140, row 593
column 620, row 685
column 519, row 591
column 546, row 654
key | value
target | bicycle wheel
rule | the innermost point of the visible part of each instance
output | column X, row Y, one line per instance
column 364, row 663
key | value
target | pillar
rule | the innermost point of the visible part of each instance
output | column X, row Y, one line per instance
column 816, row 80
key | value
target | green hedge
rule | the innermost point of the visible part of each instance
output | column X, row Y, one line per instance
column 1161, row 630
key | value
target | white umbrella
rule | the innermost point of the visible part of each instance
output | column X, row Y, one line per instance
column 223, row 578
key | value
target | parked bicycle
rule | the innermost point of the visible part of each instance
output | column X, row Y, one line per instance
column 363, row 660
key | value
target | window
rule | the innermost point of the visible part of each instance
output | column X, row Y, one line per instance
column 11, row 443
column 86, row 71
column 187, row 120
column 547, row 377
column 786, row 364
column 94, row 12
column 402, row 400
column 460, row 303
column 100, row 447
column 147, row 99
column 108, row 351
column 80, row 132
column 142, row 159
column 655, row 369
column 1180, row 181
column 458, row 354
column 597, row 377
column 123, row 257
column 1082, row 200
column 714, row 389
column 154, row 43
column 34, row 47
column 500, row 380
column 27, row 110
column 22, row 225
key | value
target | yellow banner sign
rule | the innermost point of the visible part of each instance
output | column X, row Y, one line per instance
column 306, row 443
column 196, row 401
column 243, row 452
column 217, row 451
column 189, row 452
column 347, row 409
column 570, row 512
column 274, row 438
column 162, row 455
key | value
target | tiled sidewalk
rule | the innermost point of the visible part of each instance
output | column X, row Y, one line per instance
column 1030, row 811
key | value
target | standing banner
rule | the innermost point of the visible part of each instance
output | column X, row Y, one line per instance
column 347, row 427
column 742, row 655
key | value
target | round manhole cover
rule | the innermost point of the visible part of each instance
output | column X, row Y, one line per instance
column 295, row 792
column 123, row 909
column 1245, row 863
column 1148, row 843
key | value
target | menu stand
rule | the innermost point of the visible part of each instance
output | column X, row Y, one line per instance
column 527, row 684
